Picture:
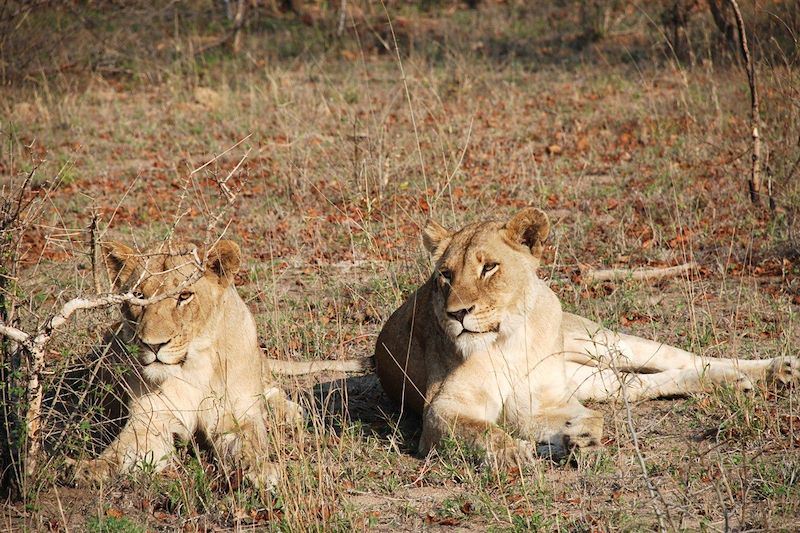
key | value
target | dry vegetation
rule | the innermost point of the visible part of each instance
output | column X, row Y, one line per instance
column 346, row 147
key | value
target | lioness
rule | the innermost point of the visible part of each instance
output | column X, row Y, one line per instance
column 483, row 347
column 194, row 363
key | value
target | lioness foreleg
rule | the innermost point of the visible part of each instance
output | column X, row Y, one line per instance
column 244, row 438
column 569, row 426
column 146, row 439
column 443, row 419
column 245, row 443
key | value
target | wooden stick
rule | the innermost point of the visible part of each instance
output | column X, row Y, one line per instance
column 238, row 22
column 754, row 184
column 94, row 252
column 639, row 274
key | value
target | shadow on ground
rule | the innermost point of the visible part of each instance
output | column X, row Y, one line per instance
column 360, row 400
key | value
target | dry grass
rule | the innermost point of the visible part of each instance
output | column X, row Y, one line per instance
column 639, row 162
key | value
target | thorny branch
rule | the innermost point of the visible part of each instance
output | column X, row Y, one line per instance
column 33, row 345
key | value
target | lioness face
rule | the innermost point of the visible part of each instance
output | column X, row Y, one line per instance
column 164, row 330
column 480, row 276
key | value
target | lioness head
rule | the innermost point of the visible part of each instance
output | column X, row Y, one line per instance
column 163, row 331
column 484, row 275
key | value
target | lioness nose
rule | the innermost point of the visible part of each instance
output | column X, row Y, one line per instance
column 155, row 347
column 461, row 313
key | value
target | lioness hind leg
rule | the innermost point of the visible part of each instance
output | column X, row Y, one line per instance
column 606, row 349
column 282, row 409
column 592, row 383
column 677, row 370
column 637, row 352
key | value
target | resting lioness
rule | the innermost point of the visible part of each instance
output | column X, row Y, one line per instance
column 484, row 352
column 192, row 362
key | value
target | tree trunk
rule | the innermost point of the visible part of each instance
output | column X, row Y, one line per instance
column 724, row 19
column 238, row 23
column 676, row 19
column 754, row 184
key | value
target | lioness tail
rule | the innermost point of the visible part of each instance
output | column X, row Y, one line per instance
column 296, row 368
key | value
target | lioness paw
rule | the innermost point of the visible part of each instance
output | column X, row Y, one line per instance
column 583, row 431
column 728, row 376
column 263, row 475
column 93, row 471
column 514, row 453
column 282, row 409
column 784, row 370
column 294, row 412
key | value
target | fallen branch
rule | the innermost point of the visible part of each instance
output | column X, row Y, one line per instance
column 638, row 274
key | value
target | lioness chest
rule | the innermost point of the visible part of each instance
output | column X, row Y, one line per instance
column 506, row 372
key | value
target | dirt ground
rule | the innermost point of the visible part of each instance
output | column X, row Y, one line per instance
column 335, row 155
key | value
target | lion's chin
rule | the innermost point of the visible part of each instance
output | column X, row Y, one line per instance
column 492, row 329
column 468, row 342
column 163, row 368
column 471, row 339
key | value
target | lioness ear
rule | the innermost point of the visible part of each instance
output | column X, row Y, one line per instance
column 529, row 227
column 120, row 261
column 433, row 235
column 224, row 260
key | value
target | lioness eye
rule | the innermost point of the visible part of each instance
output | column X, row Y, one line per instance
column 184, row 297
column 488, row 268
column 447, row 275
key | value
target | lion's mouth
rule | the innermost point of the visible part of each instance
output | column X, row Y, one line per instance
column 167, row 363
column 159, row 360
column 170, row 363
column 493, row 329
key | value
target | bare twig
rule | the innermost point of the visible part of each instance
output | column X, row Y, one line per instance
column 204, row 165
column 754, row 183
column 639, row 274
column 93, row 252
column 230, row 196
column 16, row 335
column 342, row 18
